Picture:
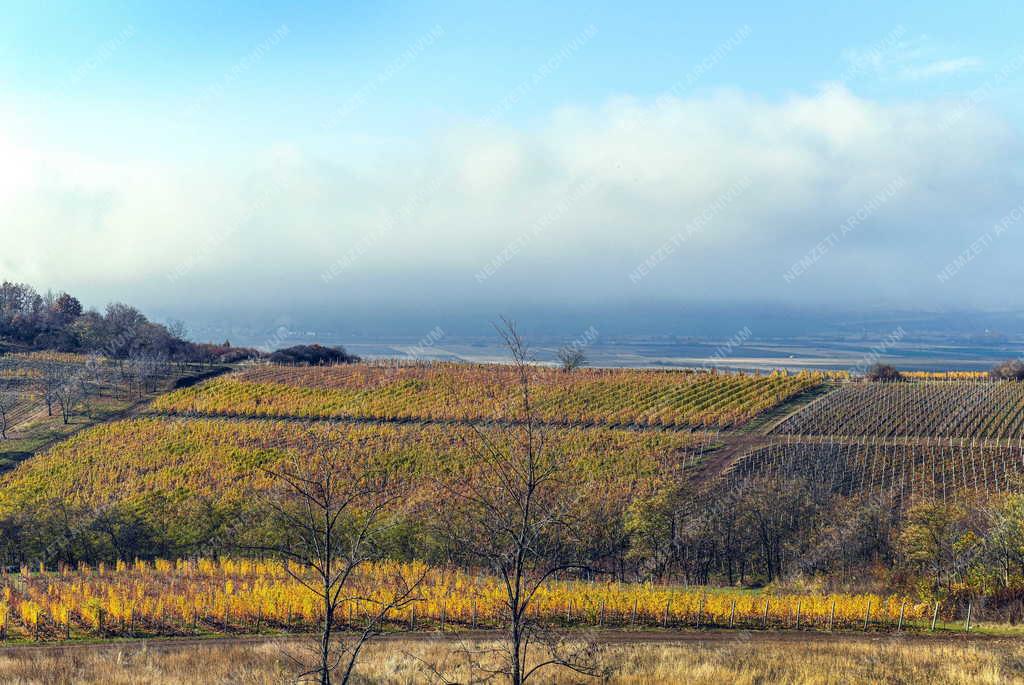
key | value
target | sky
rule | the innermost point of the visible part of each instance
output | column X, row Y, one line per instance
column 343, row 164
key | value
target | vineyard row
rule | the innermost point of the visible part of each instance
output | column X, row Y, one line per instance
column 246, row 596
column 983, row 410
column 947, row 472
column 621, row 398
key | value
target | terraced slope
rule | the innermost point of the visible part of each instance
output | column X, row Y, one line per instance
column 460, row 392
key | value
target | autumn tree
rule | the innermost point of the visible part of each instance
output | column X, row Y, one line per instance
column 67, row 307
column 934, row 540
column 652, row 523
column 775, row 511
column 1003, row 538
column 69, row 392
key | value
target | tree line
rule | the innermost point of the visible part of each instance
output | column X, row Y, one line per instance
column 57, row 321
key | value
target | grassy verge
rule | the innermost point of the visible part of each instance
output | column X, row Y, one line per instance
column 838, row 660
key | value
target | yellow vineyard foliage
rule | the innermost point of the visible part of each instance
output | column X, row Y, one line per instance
column 131, row 460
column 474, row 392
column 246, row 595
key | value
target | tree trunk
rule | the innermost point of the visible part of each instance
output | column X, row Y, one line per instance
column 517, row 647
column 325, row 642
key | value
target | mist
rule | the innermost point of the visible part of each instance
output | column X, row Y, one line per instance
column 824, row 199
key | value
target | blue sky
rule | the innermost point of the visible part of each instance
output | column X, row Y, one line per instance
column 174, row 149
column 56, row 61
column 175, row 54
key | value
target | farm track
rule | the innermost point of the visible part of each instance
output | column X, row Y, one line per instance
column 609, row 637
column 720, row 460
column 768, row 421
column 754, row 434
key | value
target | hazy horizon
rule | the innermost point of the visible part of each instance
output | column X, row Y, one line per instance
column 384, row 171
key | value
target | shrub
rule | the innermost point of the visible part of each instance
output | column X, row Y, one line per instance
column 883, row 373
column 313, row 355
column 1012, row 370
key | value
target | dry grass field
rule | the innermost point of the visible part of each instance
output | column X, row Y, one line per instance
column 742, row 659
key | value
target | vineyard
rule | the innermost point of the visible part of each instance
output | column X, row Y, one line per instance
column 461, row 392
column 132, row 461
column 193, row 472
column 945, row 375
column 973, row 410
column 946, row 470
column 190, row 597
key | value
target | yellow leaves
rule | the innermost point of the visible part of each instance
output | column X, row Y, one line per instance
column 946, row 375
column 91, row 611
column 61, row 612
column 134, row 457
column 602, row 396
column 167, row 598
column 29, row 612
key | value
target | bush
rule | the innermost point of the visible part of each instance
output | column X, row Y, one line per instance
column 571, row 358
column 1012, row 370
column 883, row 373
column 313, row 355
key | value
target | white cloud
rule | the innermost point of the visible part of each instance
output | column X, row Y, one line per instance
column 913, row 59
column 446, row 209
column 942, row 67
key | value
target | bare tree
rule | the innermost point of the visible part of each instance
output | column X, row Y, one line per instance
column 68, row 393
column 177, row 328
column 143, row 369
column 515, row 515
column 48, row 384
column 8, row 401
column 1012, row 370
column 571, row 357
column 333, row 508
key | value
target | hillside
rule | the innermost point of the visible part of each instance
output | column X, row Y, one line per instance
column 46, row 397
column 461, row 392
column 182, row 482
column 693, row 476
